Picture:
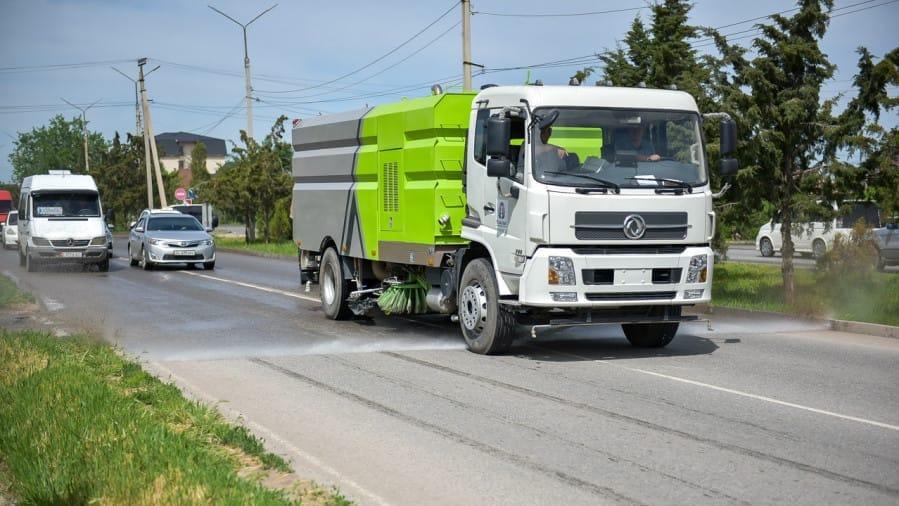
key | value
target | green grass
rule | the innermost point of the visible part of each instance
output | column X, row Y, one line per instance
column 873, row 298
column 275, row 249
column 79, row 424
column 10, row 295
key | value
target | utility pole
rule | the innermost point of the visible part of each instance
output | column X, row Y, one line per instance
column 137, row 130
column 246, row 64
column 466, row 45
column 87, row 163
column 149, row 141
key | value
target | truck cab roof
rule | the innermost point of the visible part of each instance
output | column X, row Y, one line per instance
column 45, row 182
column 588, row 96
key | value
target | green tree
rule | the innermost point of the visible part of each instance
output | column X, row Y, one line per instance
column 121, row 178
column 59, row 145
column 255, row 180
column 778, row 95
column 199, row 173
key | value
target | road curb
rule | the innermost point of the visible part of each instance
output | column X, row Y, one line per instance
column 870, row 329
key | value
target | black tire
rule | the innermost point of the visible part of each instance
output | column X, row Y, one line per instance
column 30, row 264
column 334, row 289
column 766, row 248
column 104, row 265
column 488, row 328
column 818, row 249
column 651, row 335
column 145, row 260
column 209, row 266
column 131, row 261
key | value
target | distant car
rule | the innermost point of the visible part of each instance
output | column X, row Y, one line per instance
column 887, row 245
column 11, row 231
column 169, row 237
column 815, row 237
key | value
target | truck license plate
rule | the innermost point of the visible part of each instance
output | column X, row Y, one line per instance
column 633, row 276
column 184, row 253
column 71, row 254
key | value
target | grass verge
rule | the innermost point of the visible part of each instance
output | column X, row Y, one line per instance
column 10, row 295
column 79, row 424
column 874, row 299
column 274, row 249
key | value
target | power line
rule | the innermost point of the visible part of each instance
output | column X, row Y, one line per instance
column 380, row 58
column 554, row 15
column 61, row 66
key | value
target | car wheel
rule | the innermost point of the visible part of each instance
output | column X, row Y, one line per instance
column 818, row 249
column 209, row 266
column 766, row 248
column 131, row 260
column 488, row 328
column 30, row 264
column 145, row 260
column 334, row 289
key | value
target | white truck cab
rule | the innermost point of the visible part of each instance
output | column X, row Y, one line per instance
column 61, row 220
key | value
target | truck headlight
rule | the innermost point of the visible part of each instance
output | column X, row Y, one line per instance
column 561, row 271
column 699, row 269
column 98, row 241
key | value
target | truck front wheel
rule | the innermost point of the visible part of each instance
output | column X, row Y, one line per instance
column 333, row 289
column 652, row 335
column 488, row 328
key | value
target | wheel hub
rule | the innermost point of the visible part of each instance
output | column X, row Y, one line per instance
column 473, row 307
column 328, row 286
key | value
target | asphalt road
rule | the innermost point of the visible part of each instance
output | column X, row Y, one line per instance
column 395, row 411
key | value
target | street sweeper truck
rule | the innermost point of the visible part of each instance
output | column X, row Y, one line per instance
column 544, row 206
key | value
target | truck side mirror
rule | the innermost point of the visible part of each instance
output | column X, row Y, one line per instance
column 499, row 167
column 499, row 133
column 728, row 137
column 729, row 166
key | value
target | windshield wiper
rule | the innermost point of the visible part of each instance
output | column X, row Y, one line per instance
column 603, row 182
column 677, row 189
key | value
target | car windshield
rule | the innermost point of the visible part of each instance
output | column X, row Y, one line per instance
column 66, row 205
column 12, row 219
column 173, row 224
column 629, row 148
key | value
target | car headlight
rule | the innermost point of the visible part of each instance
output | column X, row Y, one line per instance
column 207, row 242
column 40, row 241
column 699, row 269
column 561, row 271
column 98, row 241
column 155, row 242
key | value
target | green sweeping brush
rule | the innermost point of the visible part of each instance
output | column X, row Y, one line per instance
column 408, row 297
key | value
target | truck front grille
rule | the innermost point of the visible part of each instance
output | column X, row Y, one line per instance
column 609, row 225
column 75, row 243
column 631, row 296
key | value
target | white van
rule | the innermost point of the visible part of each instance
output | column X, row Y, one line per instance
column 816, row 237
column 61, row 221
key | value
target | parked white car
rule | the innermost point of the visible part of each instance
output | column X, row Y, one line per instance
column 11, row 231
column 815, row 238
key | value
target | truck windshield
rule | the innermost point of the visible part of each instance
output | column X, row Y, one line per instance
column 631, row 148
column 66, row 205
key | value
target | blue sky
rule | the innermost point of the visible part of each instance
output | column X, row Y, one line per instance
column 302, row 44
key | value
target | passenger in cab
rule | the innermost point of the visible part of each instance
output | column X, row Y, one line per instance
column 634, row 139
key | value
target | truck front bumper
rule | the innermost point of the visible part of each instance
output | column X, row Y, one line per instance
column 87, row 255
column 609, row 277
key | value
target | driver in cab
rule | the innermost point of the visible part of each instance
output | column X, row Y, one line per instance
column 634, row 139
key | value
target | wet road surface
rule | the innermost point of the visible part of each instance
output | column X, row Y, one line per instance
column 395, row 411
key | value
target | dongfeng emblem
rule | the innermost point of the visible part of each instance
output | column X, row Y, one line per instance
column 634, row 226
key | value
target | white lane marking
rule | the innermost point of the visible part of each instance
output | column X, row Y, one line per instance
column 737, row 392
column 250, row 285
column 269, row 434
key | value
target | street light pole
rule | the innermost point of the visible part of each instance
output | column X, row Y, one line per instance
column 246, row 64
column 150, row 151
column 137, row 130
column 87, row 163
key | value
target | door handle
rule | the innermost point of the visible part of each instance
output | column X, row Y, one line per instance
column 488, row 208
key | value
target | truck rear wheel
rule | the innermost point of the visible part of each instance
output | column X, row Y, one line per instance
column 652, row 335
column 488, row 328
column 334, row 289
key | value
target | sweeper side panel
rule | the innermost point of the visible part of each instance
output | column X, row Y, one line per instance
column 383, row 183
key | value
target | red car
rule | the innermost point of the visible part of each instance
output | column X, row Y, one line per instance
column 6, row 205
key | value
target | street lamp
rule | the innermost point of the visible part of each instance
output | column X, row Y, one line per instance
column 87, row 165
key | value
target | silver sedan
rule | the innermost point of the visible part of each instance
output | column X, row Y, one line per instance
column 168, row 239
